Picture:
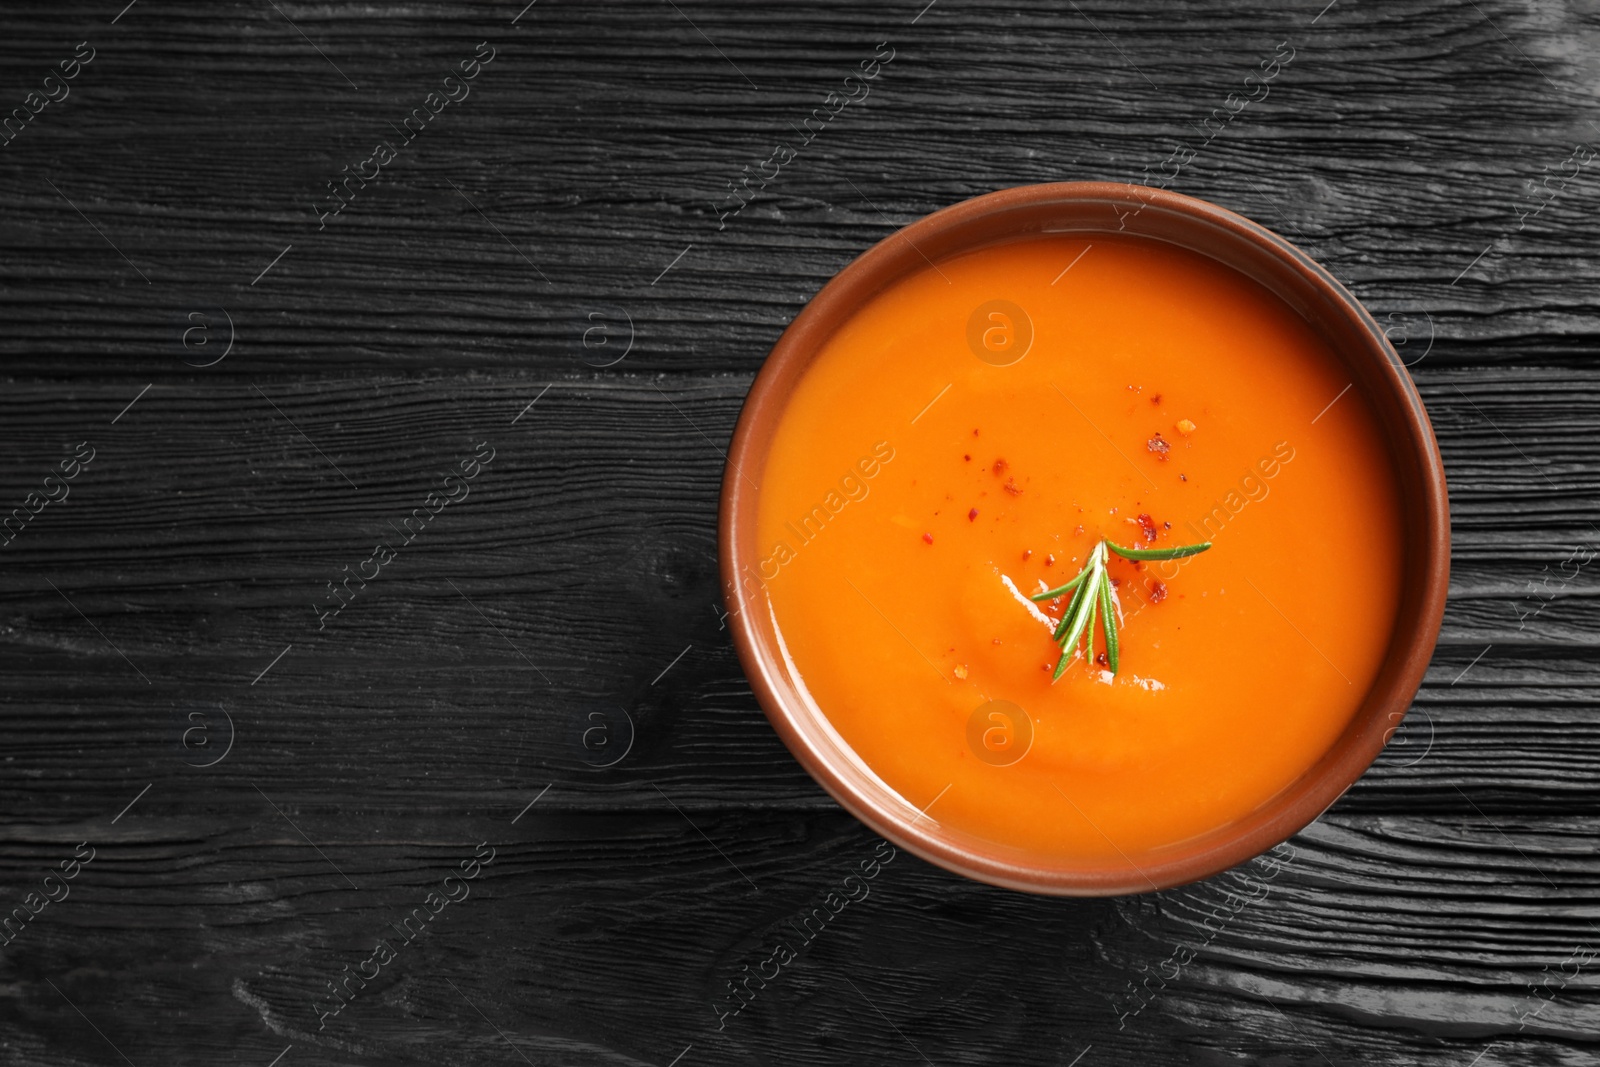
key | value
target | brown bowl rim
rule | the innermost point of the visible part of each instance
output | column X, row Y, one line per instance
column 1426, row 547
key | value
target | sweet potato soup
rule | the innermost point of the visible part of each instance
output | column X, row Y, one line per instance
column 967, row 440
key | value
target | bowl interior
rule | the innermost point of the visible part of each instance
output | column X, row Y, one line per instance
column 1375, row 370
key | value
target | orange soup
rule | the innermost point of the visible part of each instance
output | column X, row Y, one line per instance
column 968, row 438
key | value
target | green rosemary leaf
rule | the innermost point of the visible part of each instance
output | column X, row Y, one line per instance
column 1109, row 622
column 1072, row 608
column 1158, row 553
column 1080, row 618
column 1088, row 630
column 1051, row 594
column 1061, row 666
column 1075, row 606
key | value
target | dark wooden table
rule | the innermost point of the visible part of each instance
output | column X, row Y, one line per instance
column 223, row 388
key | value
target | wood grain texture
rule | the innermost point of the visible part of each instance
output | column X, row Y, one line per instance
column 1446, row 909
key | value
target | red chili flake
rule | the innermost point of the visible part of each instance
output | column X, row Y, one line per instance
column 1147, row 526
column 1000, row 466
column 928, row 537
column 1183, row 477
column 1158, row 590
column 1166, row 526
column 1012, row 487
column 1027, row 554
column 1156, row 399
column 1046, row 667
column 974, row 433
column 1078, row 529
column 1050, row 560
column 1158, row 445
column 1116, row 583
column 972, row 515
column 1100, row 658
column 967, row 458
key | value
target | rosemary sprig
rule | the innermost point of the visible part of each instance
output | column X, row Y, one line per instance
column 1091, row 597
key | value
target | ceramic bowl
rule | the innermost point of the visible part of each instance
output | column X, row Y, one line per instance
column 1258, row 253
